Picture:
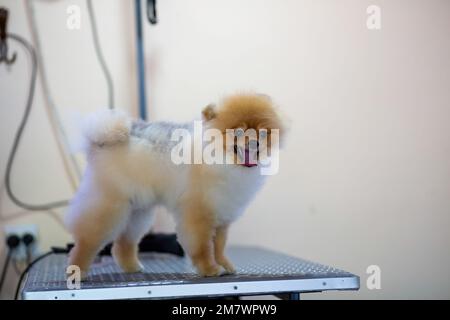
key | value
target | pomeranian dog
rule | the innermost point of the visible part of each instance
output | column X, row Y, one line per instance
column 131, row 169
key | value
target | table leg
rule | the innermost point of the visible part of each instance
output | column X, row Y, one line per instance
column 294, row 296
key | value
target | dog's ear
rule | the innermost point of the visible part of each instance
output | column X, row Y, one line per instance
column 209, row 112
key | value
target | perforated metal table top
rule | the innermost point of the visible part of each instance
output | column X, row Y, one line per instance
column 259, row 271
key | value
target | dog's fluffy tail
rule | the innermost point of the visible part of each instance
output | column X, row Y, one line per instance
column 106, row 128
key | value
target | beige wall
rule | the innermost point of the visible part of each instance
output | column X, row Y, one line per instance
column 365, row 176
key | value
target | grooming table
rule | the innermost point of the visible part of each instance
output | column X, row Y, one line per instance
column 259, row 272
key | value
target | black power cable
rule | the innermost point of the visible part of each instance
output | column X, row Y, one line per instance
column 5, row 269
column 12, row 243
column 27, row 269
column 28, row 241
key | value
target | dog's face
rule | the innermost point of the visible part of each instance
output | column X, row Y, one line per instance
column 250, row 125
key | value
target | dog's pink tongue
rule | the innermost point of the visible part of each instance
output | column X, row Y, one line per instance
column 248, row 162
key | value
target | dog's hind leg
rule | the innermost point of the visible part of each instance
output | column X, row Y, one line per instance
column 125, row 247
column 97, row 219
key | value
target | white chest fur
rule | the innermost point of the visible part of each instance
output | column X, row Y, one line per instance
column 233, row 191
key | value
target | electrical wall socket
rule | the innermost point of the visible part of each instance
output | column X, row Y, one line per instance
column 20, row 253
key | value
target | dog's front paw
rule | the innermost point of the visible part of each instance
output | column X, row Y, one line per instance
column 227, row 265
column 133, row 267
column 209, row 270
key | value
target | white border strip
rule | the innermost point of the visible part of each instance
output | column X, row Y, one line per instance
column 199, row 290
